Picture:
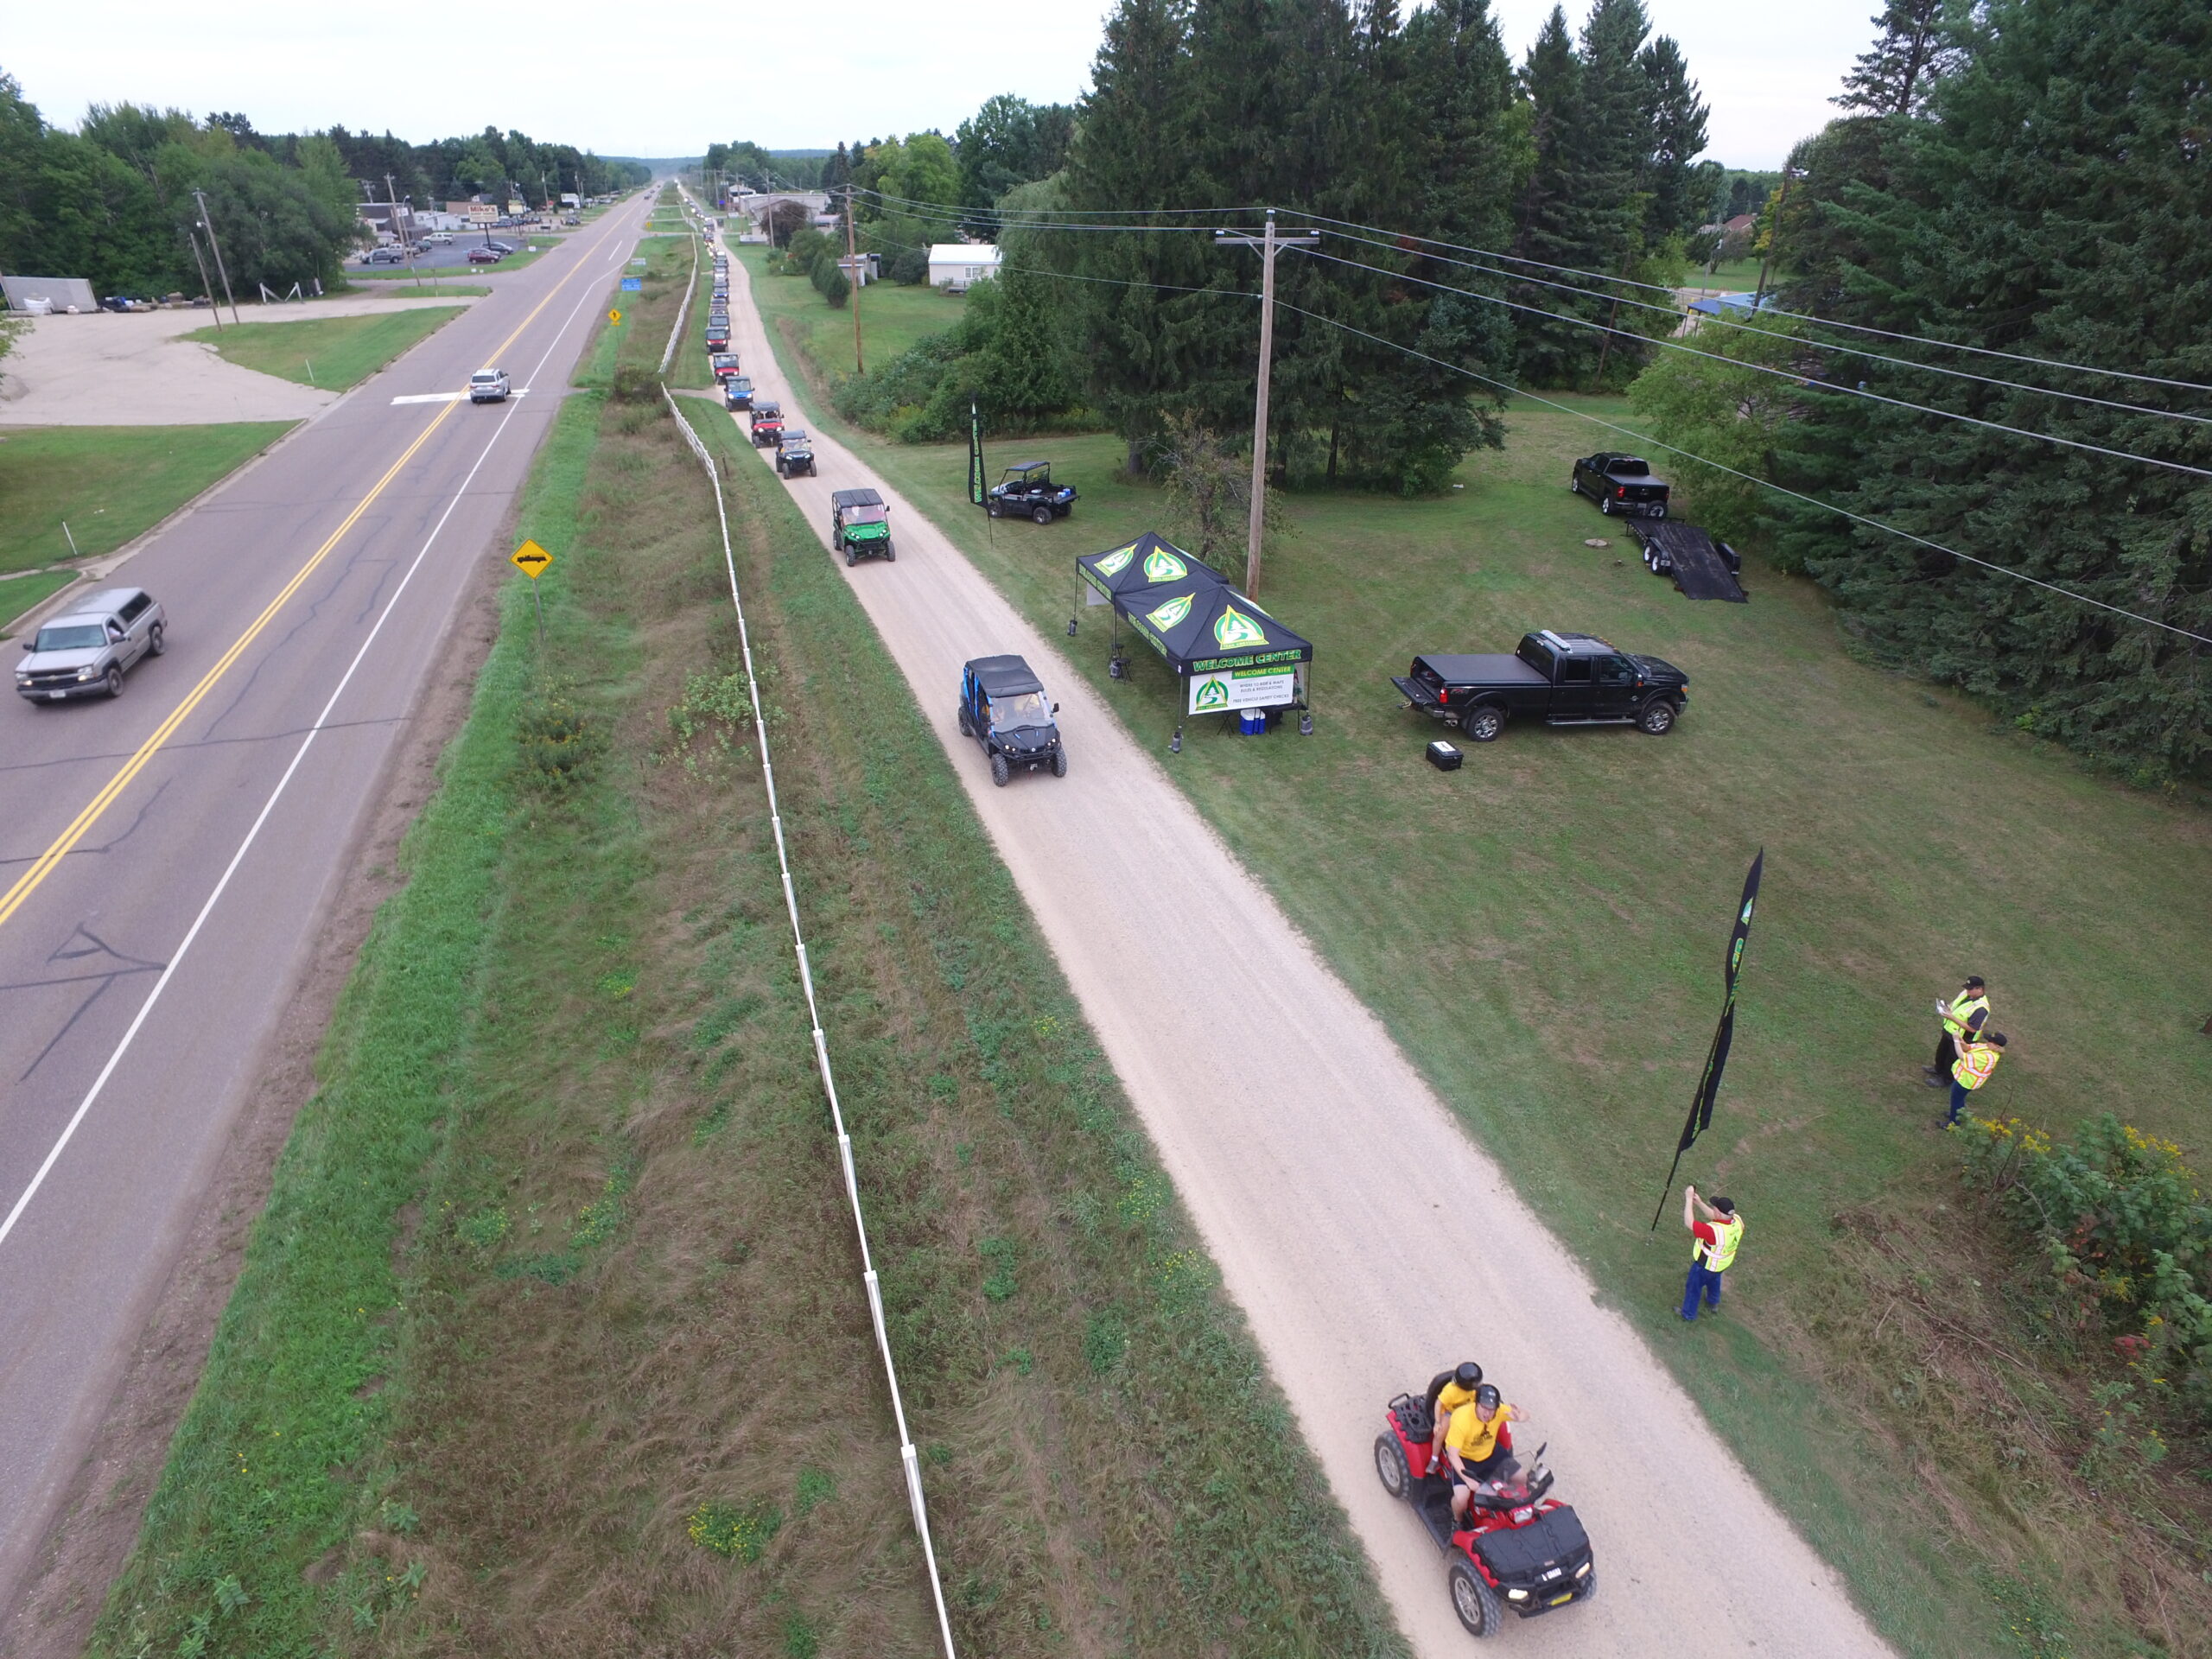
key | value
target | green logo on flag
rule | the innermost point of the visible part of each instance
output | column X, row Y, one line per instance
column 1213, row 694
column 1164, row 567
column 1235, row 629
column 1170, row 614
column 1113, row 564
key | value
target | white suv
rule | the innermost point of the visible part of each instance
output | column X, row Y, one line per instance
column 488, row 386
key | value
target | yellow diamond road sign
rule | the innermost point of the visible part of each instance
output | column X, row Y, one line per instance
column 531, row 560
column 614, row 317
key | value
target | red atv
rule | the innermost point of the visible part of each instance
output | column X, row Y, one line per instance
column 1514, row 1549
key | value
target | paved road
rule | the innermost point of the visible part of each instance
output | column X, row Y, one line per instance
column 165, row 859
column 1330, row 1183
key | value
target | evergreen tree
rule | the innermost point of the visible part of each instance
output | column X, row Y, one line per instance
column 1897, row 75
column 2055, row 202
column 1678, row 196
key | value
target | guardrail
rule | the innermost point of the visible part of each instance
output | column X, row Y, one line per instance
column 682, row 311
column 907, row 1458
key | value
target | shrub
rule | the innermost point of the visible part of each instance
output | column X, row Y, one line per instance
column 2125, row 1228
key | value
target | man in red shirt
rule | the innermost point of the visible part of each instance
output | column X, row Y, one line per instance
column 1713, row 1247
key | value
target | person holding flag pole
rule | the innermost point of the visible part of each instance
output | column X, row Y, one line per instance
column 1713, row 1243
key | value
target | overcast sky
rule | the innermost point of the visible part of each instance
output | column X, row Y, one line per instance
column 787, row 73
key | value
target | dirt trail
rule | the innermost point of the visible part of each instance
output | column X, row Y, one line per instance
column 1321, row 1168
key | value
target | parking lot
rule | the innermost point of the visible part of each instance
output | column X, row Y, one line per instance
column 454, row 255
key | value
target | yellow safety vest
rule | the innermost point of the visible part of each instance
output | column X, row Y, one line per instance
column 1963, row 1008
column 1727, row 1234
column 1975, row 1062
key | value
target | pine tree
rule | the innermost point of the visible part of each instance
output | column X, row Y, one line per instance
column 2055, row 203
column 1677, row 198
column 1897, row 75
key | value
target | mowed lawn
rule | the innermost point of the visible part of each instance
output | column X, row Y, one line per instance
column 24, row 593
column 332, row 353
column 108, row 483
column 1543, row 930
column 894, row 319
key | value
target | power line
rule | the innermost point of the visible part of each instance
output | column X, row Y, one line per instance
column 1822, row 345
column 1644, row 440
column 1763, row 368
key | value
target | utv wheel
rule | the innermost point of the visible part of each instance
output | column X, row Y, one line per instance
column 991, row 508
column 1482, row 725
column 1059, row 763
column 1474, row 1601
column 1657, row 718
column 967, row 726
column 1043, row 515
column 158, row 641
column 890, row 554
column 1000, row 771
column 114, row 681
column 851, row 558
column 1588, row 1587
column 1390, row 1466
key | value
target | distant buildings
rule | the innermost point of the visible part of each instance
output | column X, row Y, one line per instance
column 954, row 265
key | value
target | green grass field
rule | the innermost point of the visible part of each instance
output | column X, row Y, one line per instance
column 441, row 290
column 893, row 318
column 332, row 353
column 1542, row 931
column 108, row 483
column 1736, row 276
column 23, row 593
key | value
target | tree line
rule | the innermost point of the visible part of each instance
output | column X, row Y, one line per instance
column 2028, row 177
column 112, row 202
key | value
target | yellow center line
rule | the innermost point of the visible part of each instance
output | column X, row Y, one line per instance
column 27, row 883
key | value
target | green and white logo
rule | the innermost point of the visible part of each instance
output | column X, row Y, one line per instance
column 1166, row 616
column 1235, row 629
column 1162, row 566
column 1114, row 563
column 1211, row 694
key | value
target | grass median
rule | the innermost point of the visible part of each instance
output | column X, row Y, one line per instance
column 21, row 595
column 334, row 354
column 553, row 1337
column 109, row 484
column 1541, row 931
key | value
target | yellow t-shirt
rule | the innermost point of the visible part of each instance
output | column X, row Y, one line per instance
column 1449, row 1399
column 1470, row 1436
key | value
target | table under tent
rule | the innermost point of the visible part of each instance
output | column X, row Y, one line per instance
column 1232, row 657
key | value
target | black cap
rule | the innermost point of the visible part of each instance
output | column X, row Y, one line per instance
column 1725, row 1206
column 1973, row 981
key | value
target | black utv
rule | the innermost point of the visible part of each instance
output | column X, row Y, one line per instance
column 1003, row 707
column 1027, row 491
column 794, row 453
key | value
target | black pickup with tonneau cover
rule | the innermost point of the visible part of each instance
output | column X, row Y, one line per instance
column 1563, row 679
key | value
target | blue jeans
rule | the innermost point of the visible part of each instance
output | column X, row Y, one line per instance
column 1702, row 1280
column 1958, row 1101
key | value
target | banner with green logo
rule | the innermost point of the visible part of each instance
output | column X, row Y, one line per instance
column 1241, row 688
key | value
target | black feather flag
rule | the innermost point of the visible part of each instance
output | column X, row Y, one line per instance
column 1716, row 1058
column 974, row 455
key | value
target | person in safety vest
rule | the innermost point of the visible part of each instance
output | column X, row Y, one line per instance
column 1978, row 1058
column 1471, row 1444
column 1713, row 1242
column 1447, row 1392
column 1966, row 1012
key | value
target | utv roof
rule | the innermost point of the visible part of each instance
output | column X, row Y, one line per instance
column 1003, row 676
column 855, row 499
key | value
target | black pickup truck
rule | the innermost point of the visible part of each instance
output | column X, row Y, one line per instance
column 1564, row 679
column 1622, row 484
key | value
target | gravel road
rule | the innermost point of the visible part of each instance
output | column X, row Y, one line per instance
column 1369, row 1241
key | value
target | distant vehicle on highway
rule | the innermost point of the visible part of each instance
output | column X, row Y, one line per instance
column 488, row 386
column 1620, row 483
column 484, row 256
column 1564, row 679
column 1003, row 707
column 84, row 651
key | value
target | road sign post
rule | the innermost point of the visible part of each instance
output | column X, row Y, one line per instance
column 533, row 561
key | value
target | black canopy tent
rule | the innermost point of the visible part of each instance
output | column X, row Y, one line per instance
column 1231, row 654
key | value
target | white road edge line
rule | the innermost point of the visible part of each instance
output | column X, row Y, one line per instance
column 450, row 397
column 114, row 1059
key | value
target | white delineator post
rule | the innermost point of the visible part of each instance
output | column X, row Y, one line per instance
column 1266, row 242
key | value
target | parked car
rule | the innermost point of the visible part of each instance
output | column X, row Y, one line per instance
column 488, row 386
column 439, row 239
column 484, row 256
column 1003, row 707
column 84, row 651
column 859, row 525
column 1027, row 491
column 768, row 422
column 1622, row 484
column 503, row 247
column 737, row 392
column 1564, row 679
column 794, row 453
column 385, row 255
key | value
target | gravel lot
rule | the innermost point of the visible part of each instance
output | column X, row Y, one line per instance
column 132, row 369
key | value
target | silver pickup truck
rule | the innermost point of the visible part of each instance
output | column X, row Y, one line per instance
column 83, row 651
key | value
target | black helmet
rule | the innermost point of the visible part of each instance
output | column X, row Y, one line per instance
column 1488, row 1395
column 1468, row 1374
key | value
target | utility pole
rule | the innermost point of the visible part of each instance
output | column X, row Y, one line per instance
column 406, row 237
column 206, row 287
column 1268, row 242
column 1773, row 235
column 215, row 248
column 853, row 259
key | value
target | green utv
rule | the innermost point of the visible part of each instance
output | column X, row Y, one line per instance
column 859, row 525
